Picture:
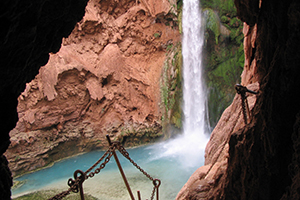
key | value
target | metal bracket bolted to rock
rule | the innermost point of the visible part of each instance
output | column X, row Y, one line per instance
column 241, row 90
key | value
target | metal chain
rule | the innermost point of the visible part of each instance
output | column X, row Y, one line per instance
column 77, row 183
column 96, row 163
column 156, row 184
column 74, row 184
column 97, row 170
column 60, row 195
column 126, row 155
column 65, row 193
column 153, row 193
column 244, row 109
column 241, row 90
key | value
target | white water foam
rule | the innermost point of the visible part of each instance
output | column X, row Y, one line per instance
column 189, row 146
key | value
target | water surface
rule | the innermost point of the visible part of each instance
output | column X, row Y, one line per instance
column 172, row 167
column 172, row 161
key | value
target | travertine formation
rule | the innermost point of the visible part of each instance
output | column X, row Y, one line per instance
column 104, row 80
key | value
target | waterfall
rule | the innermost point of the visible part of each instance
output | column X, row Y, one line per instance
column 193, row 89
column 189, row 147
column 172, row 161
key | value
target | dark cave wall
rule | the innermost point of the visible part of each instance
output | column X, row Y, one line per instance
column 263, row 157
column 30, row 30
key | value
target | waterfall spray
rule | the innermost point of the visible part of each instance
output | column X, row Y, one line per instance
column 189, row 146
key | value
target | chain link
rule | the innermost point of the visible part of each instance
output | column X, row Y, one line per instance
column 126, row 155
column 241, row 90
column 244, row 103
column 153, row 193
column 96, row 163
column 75, row 184
column 109, row 154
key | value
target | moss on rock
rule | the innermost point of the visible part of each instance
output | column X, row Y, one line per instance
column 212, row 22
column 223, row 54
column 171, row 89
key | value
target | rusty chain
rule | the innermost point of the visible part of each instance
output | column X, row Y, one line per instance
column 156, row 184
column 244, row 108
column 76, row 185
column 241, row 90
column 61, row 195
column 125, row 153
column 97, row 170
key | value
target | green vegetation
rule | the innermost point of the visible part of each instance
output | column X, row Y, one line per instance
column 223, row 60
column 179, row 17
column 157, row 35
column 223, row 54
column 224, row 7
column 46, row 194
column 212, row 22
column 171, row 89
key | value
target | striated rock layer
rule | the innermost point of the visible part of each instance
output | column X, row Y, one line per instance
column 258, row 160
column 104, row 80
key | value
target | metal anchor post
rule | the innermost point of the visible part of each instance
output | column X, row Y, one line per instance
column 156, row 183
column 139, row 195
column 76, row 184
column 82, row 178
column 120, row 169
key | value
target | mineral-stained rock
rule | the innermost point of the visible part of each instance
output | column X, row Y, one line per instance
column 104, row 80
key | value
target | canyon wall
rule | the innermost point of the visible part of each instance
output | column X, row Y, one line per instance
column 105, row 79
column 259, row 159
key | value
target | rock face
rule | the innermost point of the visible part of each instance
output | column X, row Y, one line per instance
column 104, row 80
column 258, row 160
column 262, row 157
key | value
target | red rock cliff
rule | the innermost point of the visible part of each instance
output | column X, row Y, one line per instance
column 104, row 80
